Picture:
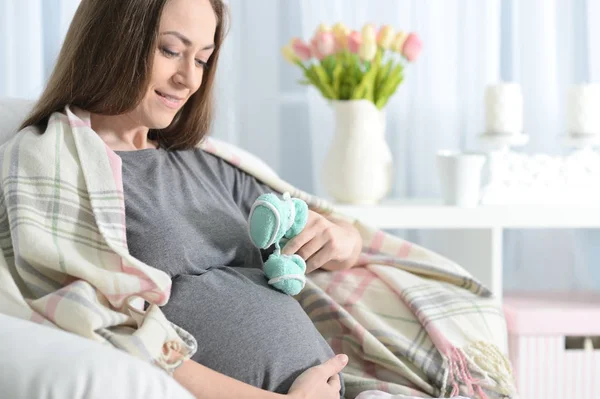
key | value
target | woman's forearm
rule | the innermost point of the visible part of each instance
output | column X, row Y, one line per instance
column 205, row 383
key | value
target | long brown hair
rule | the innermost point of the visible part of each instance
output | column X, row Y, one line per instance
column 105, row 63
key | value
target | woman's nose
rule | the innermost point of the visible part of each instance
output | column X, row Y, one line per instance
column 188, row 74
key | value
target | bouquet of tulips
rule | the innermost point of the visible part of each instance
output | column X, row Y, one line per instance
column 352, row 65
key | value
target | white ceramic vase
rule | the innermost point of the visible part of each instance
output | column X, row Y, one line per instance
column 358, row 166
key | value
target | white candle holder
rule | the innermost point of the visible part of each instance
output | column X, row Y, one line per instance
column 580, row 141
column 503, row 108
column 503, row 117
column 516, row 178
column 582, row 105
column 583, row 118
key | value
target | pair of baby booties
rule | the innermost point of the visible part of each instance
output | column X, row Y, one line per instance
column 276, row 221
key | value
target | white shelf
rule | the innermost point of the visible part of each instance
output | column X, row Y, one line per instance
column 430, row 214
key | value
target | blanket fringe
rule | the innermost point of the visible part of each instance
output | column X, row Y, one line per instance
column 484, row 359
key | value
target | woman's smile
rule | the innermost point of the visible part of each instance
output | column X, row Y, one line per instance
column 170, row 101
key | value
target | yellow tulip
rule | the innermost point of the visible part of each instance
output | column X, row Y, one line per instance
column 340, row 28
column 323, row 28
column 398, row 42
column 368, row 32
column 385, row 36
column 289, row 54
column 368, row 49
column 341, row 32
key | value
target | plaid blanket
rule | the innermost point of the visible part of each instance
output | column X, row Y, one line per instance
column 412, row 322
column 64, row 259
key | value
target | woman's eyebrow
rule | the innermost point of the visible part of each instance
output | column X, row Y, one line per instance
column 187, row 42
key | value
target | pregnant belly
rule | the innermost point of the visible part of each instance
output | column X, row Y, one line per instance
column 244, row 328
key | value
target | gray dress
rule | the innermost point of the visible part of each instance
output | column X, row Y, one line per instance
column 186, row 214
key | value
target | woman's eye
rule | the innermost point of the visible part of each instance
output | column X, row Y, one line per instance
column 168, row 52
column 172, row 54
column 201, row 63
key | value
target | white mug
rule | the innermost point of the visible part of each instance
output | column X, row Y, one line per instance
column 460, row 177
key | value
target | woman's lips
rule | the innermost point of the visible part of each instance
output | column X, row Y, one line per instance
column 169, row 101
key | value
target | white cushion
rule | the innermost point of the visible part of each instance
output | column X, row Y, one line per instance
column 42, row 362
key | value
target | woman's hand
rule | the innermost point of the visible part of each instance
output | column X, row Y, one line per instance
column 320, row 382
column 327, row 244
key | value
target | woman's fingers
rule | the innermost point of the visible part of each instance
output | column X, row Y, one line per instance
column 320, row 381
column 321, row 257
column 334, row 365
column 307, row 234
column 323, row 243
column 334, row 382
column 312, row 247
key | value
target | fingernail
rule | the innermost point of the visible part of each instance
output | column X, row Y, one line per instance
column 344, row 359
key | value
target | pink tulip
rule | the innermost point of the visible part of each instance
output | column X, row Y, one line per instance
column 315, row 49
column 323, row 44
column 354, row 41
column 412, row 47
column 301, row 49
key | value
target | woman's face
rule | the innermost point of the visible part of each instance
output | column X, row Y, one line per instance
column 185, row 43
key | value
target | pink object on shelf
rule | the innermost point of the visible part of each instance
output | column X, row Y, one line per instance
column 553, row 344
column 562, row 313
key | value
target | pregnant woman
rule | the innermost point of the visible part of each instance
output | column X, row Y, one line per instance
column 143, row 70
